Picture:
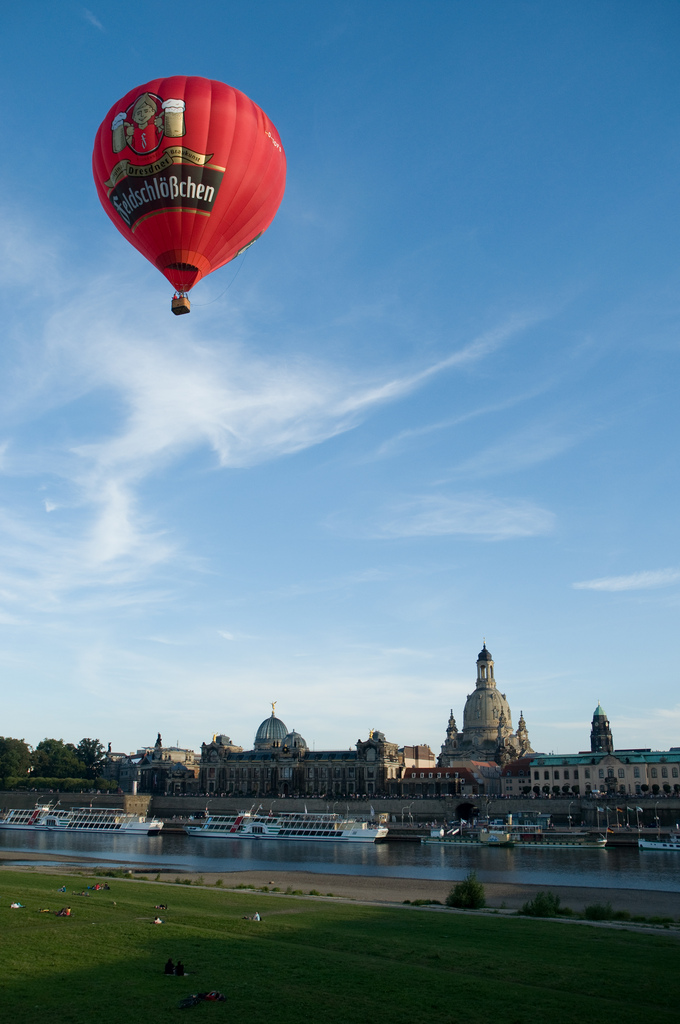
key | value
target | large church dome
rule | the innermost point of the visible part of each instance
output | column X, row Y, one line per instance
column 485, row 709
column 482, row 713
column 271, row 733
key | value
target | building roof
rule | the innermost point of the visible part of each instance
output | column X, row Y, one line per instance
column 599, row 711
column 294, row 741
column 271, row 730
column 623, row 756
column 484, row 654
column 521, row 766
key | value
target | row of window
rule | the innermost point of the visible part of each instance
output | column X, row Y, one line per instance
column 601, row 773
column 431, row 775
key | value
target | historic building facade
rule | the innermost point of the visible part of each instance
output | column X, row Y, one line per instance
column 468, row 778
column 281, row 764
column 487, row 724
column 166, row 771
column 605, row 771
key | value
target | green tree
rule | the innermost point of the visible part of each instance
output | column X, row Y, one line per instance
column 91, row 753
column 15, row 757
column 57, row 760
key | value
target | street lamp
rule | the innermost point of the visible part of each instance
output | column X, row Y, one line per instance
column 408, row 811
column 656, row 818
column 571, row 802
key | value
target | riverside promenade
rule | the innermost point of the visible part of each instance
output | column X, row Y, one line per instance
column 399, row 811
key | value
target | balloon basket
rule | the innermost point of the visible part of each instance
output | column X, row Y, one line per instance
column 180, row 304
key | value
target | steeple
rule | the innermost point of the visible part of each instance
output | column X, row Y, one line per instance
column 601, row 741
column 450, row 744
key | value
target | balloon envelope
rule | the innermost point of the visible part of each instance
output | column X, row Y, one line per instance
column 190, row 171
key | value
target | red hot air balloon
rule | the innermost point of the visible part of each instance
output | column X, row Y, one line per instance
column 191, row 172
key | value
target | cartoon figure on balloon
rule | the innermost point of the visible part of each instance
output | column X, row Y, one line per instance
column 146, row 122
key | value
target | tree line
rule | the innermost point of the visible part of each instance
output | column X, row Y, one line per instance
column 51, row 759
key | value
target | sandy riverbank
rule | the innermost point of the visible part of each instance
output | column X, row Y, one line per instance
column 383, row 889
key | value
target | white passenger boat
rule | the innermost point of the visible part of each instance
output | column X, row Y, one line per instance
column 47, row 818
column 320, row 828
column 671, row 842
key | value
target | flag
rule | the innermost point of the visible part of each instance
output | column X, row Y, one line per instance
column 372, row 811
column 601, row 810
column 639, row 809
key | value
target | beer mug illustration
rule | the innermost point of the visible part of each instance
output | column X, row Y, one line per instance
column 173, row 111
column 118, row 129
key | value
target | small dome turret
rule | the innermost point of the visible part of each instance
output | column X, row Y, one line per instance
column 294, row 741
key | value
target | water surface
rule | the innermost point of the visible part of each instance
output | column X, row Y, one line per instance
column 614, row 868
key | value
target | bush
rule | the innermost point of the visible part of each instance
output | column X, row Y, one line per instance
column 468, row 894
column 598, row 912
column 544, row 904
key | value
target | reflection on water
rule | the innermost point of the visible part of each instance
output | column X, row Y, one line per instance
column 617, row 868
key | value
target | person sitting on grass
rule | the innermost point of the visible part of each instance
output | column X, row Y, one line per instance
column 64, row 912
column 169, row 967
column 179, row 970
column 157, row 920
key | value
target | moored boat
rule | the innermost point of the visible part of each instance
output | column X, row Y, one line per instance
column 288, row 826
column 671, row 842
column 48, row 818
column 526, row 836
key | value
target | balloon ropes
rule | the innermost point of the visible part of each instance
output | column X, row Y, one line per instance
column 191, row 172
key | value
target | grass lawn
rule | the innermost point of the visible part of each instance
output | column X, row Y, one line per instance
column 309, row 961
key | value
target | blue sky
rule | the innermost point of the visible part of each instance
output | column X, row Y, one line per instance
column 436, row 402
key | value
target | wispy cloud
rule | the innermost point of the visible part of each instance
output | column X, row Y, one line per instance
column 89, row 16
column 479, row 516
column 646, row 580
column 476, row 350
column 537, row 443
column 408, row 438
column 161, row 394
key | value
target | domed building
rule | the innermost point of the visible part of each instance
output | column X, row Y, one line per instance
column 487, row 723
column 271, row 733
column 281, row 764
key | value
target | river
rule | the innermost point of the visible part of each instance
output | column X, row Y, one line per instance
column 598, row 868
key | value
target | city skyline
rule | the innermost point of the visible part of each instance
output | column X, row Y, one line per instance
column 435, row 402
